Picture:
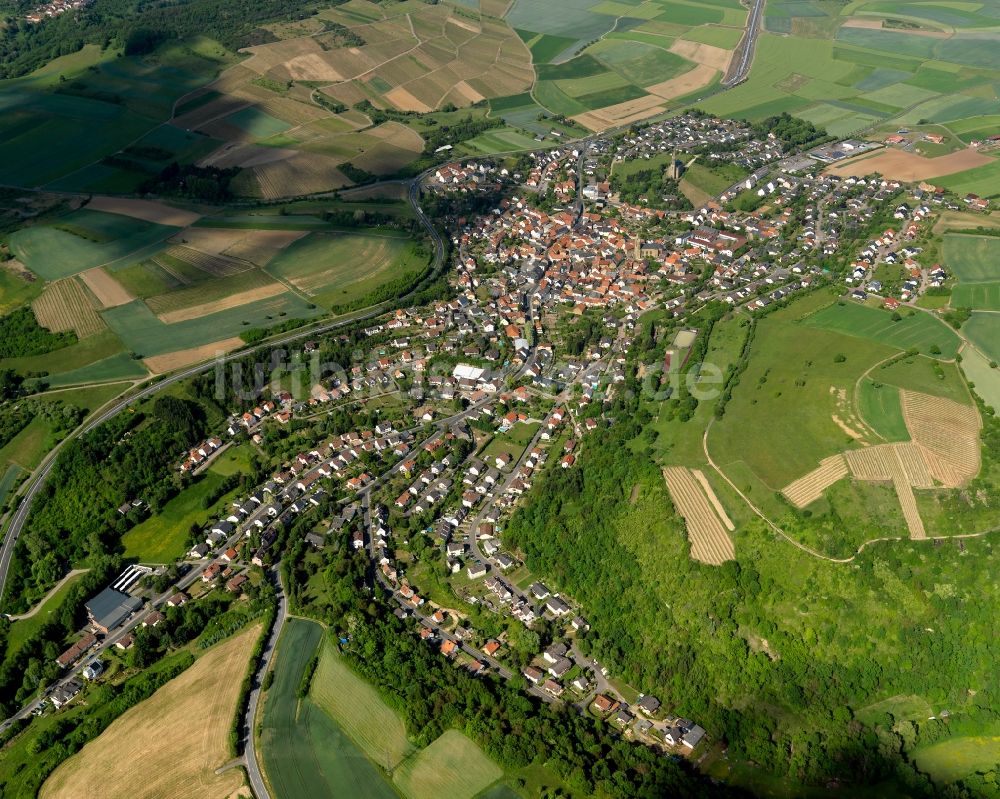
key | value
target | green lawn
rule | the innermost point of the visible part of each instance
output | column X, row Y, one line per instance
column 81, row 240
column 787, row 397
column 162, row 538
column 920, row 331
column 235, row 460
column 926, row 375
column 513, row 442
column 881, row 409
column 304, row 751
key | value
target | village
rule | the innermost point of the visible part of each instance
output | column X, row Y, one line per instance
column 54, row 9
column 454, row 410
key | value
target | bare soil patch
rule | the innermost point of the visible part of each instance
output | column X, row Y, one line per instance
column 146, row 210
column 405, row 101
column 158, row 364
column 108, row 291
column 707, row 54
column 622, row 113
column 899, row 165
column 690, row 81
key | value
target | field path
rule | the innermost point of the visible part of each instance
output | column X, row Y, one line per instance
column 49, row 595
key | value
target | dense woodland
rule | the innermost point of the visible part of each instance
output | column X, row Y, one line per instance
column 691, row 633
column 21, row 336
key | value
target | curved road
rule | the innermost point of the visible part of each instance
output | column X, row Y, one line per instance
column 41, row 474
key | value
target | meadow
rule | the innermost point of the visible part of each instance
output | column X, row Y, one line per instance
column 955, row 758
column 920, row 331
column 985, row 378
column 170, row 744
column 983, row 330
column 143, row 333
column 451, row 766
column 162, row 538
column 977, row 296
column 22, row 629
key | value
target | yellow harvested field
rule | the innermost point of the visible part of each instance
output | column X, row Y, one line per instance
column 147, row 210
column 914, row 462
column 398, row 135
column 810, row 487
column 868, row 463
column 66, row 305
column 108, row 291
column 214, row 241
column 304, row 173
column 621, row 114
column 232, row 301
column 158, row 364
column 260, row 246
column 714, row 57
column 690, row 81
column 949, row 431
column 699, row 475
column 171, row 744
column 405, row 101
column 245, row 155
column 908, row 502
column 710, row 543
column 216, row 265
column 899, row 165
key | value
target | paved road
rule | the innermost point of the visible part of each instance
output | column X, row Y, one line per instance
column 743, row 57
column 41, row 474
column 249, row 744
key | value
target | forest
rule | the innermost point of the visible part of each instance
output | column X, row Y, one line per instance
column 21, row 336
column 691, row 633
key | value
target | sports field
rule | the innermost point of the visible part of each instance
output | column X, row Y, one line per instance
column 172, row 743
column 82, row 240
column 340, row 268
column 304, row 751
column 920, row 331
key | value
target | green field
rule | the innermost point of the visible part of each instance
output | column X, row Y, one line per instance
column 81, row 240
column 143, row 333
column 977, row 296
column 29, row 446
column 161, row 538
column 113, row 368
column 340, row 268
column 9, row 479
column 359, row 710
column 986, row 379
column 984, row 181
column 955, row 758
column 452, row 766
column 787, row 395
column 304, row 751
column 983, row 330
column 920, row 331
column 257, row 123
column 74, row 357
column 926, row 375
column 880, row 407
column 972, row 259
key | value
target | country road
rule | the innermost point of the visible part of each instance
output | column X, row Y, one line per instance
column 41, row 474
column 257, row 782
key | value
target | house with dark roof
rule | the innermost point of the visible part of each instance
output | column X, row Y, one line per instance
column 110, row 608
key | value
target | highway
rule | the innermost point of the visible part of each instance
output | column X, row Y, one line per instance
column 41, row 474
column 743, row 57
